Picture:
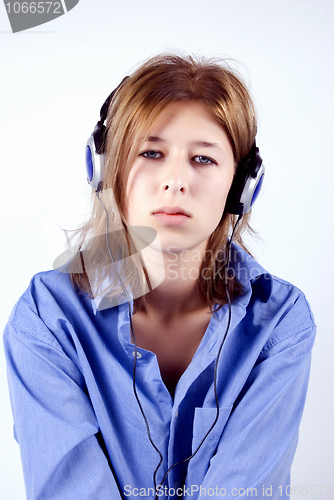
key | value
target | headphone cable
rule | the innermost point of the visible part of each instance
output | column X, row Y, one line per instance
column 216, row 363
column 229, row 243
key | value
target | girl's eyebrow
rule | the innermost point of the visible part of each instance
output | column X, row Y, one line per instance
column 154, row 138
column 204, row 144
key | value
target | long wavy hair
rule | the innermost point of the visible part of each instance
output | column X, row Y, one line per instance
column 137, row 103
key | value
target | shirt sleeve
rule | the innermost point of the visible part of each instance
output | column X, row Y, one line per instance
column 55, row 425
column 256, row 448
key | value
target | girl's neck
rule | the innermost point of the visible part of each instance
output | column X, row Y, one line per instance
column 179, row 292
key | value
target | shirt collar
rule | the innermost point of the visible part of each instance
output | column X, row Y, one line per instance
column 102, row 299
column 248, row 271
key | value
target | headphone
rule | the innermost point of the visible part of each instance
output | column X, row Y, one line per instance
column 245, row 187
column 246, row 184
column 95, row 146
column 244, row 190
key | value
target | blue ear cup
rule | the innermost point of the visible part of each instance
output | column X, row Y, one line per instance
column 95, row 146
column 246, row 184
column 95, row 157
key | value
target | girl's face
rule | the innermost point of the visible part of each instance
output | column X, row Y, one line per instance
column 181, row 177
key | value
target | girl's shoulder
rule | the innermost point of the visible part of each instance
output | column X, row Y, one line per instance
column 270, row 299
column 45, row 288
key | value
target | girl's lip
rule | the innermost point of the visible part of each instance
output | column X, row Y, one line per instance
column 173, row 211
column 172, row 219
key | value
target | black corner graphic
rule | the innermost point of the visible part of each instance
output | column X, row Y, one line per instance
column 70, row 4
column 23, row 15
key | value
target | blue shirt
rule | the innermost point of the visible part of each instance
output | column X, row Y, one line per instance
column 79, row 427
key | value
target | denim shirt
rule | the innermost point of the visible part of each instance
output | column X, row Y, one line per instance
column 81, row 433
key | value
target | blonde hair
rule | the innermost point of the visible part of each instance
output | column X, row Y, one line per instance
column 138, row 101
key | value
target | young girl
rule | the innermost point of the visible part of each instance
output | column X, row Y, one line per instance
column 163, row 361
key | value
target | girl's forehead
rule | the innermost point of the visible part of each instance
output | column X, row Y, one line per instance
column 180, row 110
column 183, row 117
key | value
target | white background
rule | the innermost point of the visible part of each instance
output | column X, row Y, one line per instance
column 53, row 81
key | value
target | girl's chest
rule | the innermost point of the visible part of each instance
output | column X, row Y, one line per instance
column 174, row 344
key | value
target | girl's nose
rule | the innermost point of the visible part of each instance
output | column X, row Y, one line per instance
column 176, row 178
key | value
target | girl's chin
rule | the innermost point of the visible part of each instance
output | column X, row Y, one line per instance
column 176, row 248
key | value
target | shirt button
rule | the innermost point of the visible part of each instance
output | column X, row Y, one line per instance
column 176, row 413
column 139, row 354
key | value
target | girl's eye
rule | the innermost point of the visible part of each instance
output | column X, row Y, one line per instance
column 151, row 155
column 204, row 160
